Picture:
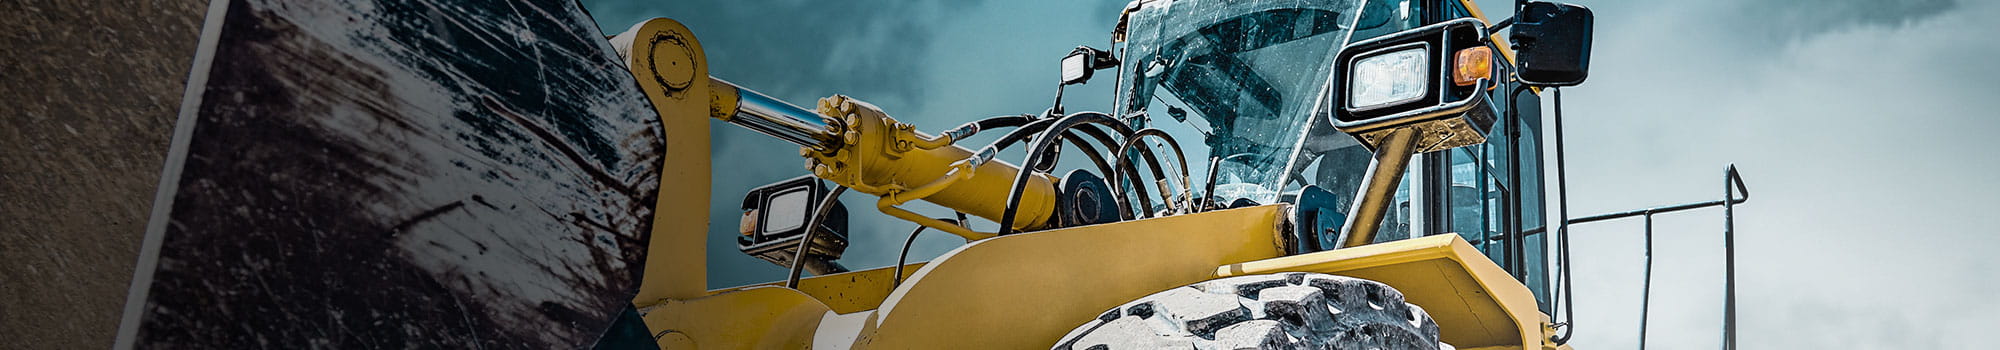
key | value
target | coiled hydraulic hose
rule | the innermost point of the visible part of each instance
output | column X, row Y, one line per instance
column 1094, row 133
column 1134, row 141
column 1042, row 143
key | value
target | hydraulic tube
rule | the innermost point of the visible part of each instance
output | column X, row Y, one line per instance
column 766, row 115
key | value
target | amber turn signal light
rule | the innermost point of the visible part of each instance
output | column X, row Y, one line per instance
column 1471, row 64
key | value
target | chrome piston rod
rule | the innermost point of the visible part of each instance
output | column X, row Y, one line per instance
column 770, row 116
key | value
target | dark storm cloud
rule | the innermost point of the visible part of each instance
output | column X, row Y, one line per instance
column 799, row 50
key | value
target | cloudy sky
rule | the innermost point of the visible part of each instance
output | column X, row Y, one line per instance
column 1861, row 127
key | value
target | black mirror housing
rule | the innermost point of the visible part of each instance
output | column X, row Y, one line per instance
column 1552, row 41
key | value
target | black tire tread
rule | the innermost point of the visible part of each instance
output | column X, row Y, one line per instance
column 1293, row 310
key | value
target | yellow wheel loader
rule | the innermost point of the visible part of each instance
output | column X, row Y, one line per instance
column 1374, row 174
column 446, row 174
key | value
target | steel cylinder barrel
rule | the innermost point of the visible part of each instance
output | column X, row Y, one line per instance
column 766, row 115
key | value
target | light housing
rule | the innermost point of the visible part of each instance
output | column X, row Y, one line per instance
column 1449, row 115
column 1078, row 66
column 775, row 219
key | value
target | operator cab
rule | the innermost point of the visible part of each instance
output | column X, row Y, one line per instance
column 1253, row 78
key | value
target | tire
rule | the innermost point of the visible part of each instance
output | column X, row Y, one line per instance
column 1293, row 310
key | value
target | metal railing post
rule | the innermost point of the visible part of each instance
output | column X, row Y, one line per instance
column 1646, row 291
column 1730, row 182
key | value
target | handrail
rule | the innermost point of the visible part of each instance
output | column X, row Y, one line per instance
column 1732, row 186
column 1731, row 178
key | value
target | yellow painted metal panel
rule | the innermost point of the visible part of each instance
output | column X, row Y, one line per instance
column 1475, row 302
column 671, row 68
column 753, row 318
column 847, row 292
column 1025, row 291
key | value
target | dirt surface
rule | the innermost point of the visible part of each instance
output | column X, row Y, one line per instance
column 404, row 173
column 91, row 90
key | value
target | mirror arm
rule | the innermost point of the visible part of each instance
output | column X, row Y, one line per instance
column 1503, row 24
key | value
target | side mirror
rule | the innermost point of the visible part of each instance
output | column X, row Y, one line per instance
column 775, row 217
column 1431, row 78
column 1553, row 42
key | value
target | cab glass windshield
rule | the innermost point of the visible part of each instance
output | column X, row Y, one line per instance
column 1252, row 72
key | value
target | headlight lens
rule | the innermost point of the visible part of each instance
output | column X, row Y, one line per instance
column 1390, row 78
column 787, row 211
column 1075, row 68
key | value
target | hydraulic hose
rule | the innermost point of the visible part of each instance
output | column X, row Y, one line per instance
column 903, row 259
column 1110, row 173
column 805, row 242
column 1041, row 145
column 1157, row 173
column 1038, row 126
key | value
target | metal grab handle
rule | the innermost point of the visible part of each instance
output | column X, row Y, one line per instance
column 1736, row 179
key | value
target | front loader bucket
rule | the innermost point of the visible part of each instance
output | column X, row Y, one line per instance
column 433, row 174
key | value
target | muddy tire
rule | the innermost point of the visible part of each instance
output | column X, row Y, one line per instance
column 1277, row 311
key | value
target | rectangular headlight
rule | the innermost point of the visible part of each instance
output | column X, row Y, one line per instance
column 1388, row 79
column 1075, row 68
column 786, row 212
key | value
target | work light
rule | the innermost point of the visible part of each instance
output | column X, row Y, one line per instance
column 1400, row 75
column 1075, row 68
column 1081, row 62
column 786, row 212
column 1432, row 79
column 777, row 216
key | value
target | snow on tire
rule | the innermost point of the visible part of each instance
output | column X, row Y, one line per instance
column 1294, row 310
